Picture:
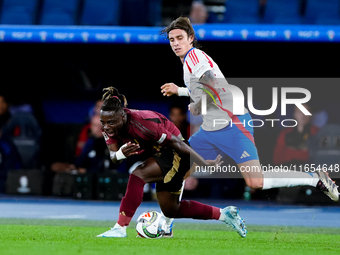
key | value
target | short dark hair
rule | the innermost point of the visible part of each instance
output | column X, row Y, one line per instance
column 184, row 24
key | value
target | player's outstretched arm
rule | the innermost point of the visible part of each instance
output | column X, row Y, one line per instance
column 185, row 150
column 169, row 89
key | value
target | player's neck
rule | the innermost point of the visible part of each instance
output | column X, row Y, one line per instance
column 182, row 59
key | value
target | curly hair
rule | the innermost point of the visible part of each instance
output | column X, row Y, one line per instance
column 112, row 100
column 184, row 24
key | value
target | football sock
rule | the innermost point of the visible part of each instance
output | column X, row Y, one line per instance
column 196, row 210
column 222, row 216
column 289, row 179
column 131, row 201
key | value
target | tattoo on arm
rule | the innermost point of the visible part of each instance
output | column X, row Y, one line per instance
column 208, row 80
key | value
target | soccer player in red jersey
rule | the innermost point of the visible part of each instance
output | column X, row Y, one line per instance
column 128, row 132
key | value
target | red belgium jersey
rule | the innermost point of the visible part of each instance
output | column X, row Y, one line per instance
column 147, row 128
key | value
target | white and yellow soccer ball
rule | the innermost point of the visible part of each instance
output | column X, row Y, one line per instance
column 151, row 224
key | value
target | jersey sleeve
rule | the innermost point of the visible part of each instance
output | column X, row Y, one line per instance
column 198, row 62
column 152, row 130
column 164, row 136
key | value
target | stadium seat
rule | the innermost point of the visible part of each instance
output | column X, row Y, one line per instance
column 282, row 12
column 56, row 12
column 141, row 13
column 245, row 11
column 18, row 12
column 25, row 133
column 323, row 12
column 101, row 12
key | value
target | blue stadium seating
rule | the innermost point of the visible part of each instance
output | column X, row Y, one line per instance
column 101, row 12
column 59, row 12
column 242, row 11
column 325, row 12
column 18, row 12
column 141, row 12
column 282, row 12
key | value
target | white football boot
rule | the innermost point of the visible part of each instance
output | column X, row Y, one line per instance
column 327, row 186
column 232, row 218
column 116, row 231
column 168, row 230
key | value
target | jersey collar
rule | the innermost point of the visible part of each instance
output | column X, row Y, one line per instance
column 187, row 54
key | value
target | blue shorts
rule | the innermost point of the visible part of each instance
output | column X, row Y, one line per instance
column 236, row 140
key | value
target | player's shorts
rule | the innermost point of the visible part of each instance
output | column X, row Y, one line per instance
column 174, row 168
column 236, row 140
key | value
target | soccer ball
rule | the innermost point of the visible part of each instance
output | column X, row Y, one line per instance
column 151, row 224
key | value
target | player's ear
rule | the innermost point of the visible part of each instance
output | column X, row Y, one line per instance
column 123, row 115
column 191, row 39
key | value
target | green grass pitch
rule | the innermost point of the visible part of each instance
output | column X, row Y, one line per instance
column 35, row 237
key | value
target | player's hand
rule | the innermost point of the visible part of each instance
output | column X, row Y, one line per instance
column 130, row 149
column 216, row 162
column 169, row 89
column 193, row 109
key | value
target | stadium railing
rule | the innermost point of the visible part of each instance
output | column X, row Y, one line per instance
column 140, row 35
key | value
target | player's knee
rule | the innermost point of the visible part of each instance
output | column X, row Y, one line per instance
column 169, row 209
column 254, row 183
column 141, row 174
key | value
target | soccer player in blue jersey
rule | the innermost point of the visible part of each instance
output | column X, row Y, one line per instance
column 201, row 74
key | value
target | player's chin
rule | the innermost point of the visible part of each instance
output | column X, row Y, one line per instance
column 178, row 53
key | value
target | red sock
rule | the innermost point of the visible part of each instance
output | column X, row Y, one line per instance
column 131, row 201
column 196, row 210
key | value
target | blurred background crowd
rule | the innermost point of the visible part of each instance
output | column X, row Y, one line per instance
column 161, row 12
column 50, row 93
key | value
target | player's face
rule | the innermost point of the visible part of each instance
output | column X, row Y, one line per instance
column 112, row 123
column 180, row 42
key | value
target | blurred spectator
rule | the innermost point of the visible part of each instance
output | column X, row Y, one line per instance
column 262, row 8
column 178, row 115
column 4, row 111
column 198, row 13
column 85, row 133
column 291, row 145
column 95, row 156
column 9, row 160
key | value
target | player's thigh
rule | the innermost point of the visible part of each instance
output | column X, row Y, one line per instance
column 237, row 142
column 203, row 146
column 149, row 171
column 168, row 202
